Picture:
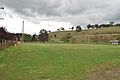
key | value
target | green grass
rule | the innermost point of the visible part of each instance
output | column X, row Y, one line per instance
column 56, row 61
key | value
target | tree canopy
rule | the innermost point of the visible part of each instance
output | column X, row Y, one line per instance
column 43, row 35
column 78, row 28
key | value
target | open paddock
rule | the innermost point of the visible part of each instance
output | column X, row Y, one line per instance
column 35, row 61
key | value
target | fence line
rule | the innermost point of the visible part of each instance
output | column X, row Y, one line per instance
column 6, row 43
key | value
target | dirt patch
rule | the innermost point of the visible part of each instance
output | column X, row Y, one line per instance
column 113, row 74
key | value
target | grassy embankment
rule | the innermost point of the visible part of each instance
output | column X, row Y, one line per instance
column 92, row 35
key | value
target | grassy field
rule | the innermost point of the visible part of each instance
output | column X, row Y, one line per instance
column 32, row 61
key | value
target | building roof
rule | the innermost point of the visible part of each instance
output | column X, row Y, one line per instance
column 114, row 41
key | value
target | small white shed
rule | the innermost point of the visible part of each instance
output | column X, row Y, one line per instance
column 114, row 41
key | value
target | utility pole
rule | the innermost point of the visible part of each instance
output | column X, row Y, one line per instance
column 22, row 38
column 23, row 27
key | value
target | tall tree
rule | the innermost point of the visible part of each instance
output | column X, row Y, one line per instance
column 34, row 38
column 72, row 28
column 18, row 35
column 89, row 26
column 111, row 23
column 43, row 35
column 62, row 28
column 97, row 26
column 78, row 28
column 58, row 29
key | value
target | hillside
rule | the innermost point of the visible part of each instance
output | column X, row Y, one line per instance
column 91, row 35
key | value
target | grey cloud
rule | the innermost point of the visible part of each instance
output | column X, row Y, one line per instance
column 73, row 11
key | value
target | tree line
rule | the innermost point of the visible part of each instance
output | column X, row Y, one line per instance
column 91, row 26
column 77, row 28
column 42, row 37
column 111, row 24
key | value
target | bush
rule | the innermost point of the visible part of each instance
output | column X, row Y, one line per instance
column 66, row 38
column 117, row 37
column 73, row 40
column 27, row 37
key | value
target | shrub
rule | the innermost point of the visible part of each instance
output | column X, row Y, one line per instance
column 66, row 38
column 117, row 37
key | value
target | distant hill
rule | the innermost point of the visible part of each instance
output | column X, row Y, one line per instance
column 89, row 35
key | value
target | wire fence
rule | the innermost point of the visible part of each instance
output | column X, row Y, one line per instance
column 6, row 43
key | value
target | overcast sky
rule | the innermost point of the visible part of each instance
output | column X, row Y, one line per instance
column 68, row 12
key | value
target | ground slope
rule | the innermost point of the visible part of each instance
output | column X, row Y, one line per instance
column 89, row 35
